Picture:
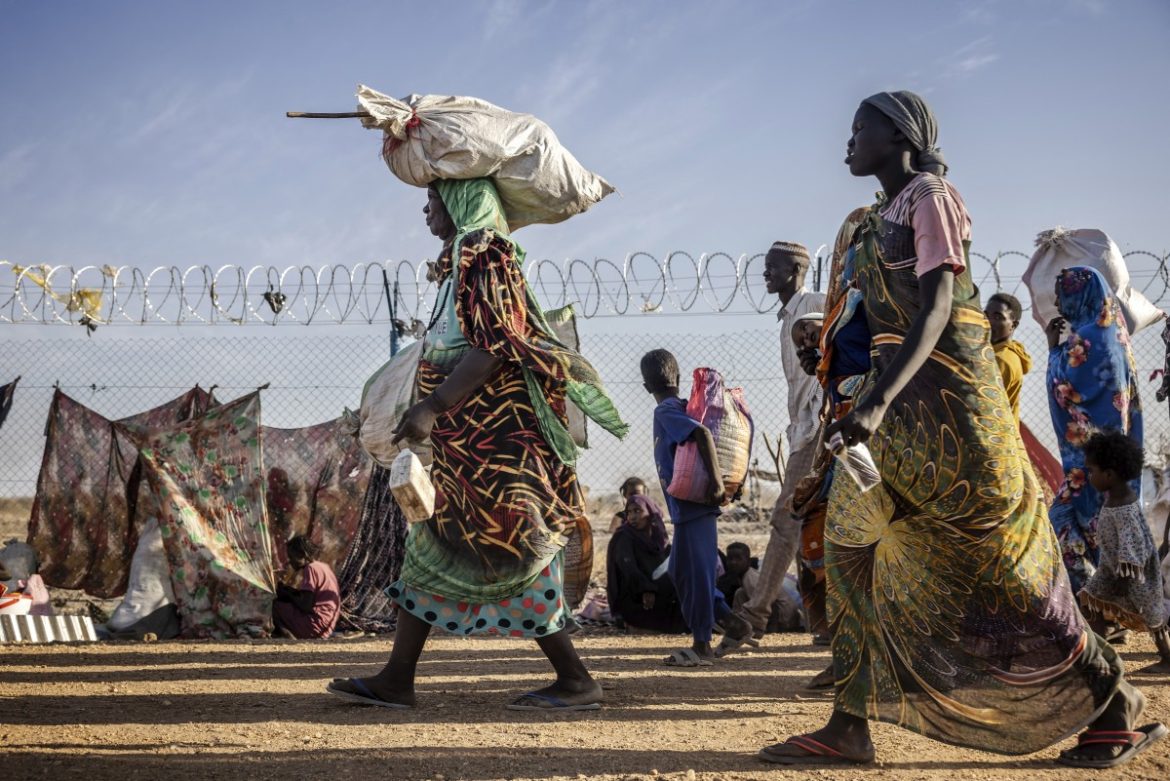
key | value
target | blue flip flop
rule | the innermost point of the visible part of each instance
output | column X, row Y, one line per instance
column 366, row 697
column 552, row 703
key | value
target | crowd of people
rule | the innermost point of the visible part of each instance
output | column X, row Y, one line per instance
column 958, row 600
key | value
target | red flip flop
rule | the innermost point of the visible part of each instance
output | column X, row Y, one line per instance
column 1132, row 743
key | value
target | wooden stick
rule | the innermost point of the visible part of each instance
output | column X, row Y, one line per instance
column 319, row 115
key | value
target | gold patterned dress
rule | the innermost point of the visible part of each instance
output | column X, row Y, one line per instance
column 950, row 608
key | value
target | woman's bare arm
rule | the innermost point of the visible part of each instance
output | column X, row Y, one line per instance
column 936, row 290
column 472, row 371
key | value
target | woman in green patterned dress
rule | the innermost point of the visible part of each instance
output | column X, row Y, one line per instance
column 950, row 608
column 494, row 384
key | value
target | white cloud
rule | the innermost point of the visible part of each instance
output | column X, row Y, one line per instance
column 500, row 18
column 169, row 116
column 975, row 62
column 1090, row 7
column 978, row 12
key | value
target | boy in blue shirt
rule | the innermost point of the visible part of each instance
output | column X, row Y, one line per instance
column 694, row 554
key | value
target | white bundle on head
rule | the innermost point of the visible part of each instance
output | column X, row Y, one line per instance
column 429, row 137
column 1061, row 248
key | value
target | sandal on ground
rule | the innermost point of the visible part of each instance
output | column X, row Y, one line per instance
column 686, row 658
column 822, row 638
column 813, row 752
column 1131, row 744
column 729, row 644
column 363, row 695
column 547, row 702
column 730, row 641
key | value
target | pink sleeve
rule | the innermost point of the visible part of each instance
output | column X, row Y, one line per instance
column 940, row 225
column 315, row 577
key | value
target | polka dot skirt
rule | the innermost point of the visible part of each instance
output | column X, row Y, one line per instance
column 537, row 612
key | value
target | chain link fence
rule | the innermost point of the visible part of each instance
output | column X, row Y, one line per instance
column 315, row 371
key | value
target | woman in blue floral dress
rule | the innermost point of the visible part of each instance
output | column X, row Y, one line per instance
column 1092, row 385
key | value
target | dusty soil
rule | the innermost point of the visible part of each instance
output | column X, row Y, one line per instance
column 199, row 710
column 258, row 711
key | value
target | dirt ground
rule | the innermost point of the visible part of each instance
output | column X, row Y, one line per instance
column 257, row 710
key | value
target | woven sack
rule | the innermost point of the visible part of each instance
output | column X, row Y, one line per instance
column 725, row 414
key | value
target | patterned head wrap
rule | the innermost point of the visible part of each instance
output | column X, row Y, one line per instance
column 913, row 117
column 654, row 513
column 1085, row 298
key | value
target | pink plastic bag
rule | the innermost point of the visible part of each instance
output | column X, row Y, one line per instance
column 724, row 412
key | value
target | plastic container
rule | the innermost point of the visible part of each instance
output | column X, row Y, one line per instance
column 412, row 487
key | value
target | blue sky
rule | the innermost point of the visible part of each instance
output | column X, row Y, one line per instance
column 150, row 133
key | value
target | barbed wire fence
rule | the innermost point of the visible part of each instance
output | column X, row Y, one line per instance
column 141, row 337
column 680, row 282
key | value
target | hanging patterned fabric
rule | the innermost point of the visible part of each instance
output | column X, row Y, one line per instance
column 374, row 560
column 81, row 525
column 209, row 480
column 316, row 480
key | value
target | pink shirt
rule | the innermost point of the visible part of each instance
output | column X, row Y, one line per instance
column 319, row 579
column 934, row 209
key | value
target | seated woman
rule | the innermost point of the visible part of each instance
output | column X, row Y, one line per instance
column 638, row 548
column 631, row 487
column 309, row 610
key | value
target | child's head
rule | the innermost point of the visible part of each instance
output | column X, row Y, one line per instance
column 806, row 331
column 660, row 372
column 301, row 551
column 632, row 486
column 1112, row 459
column 739, row 558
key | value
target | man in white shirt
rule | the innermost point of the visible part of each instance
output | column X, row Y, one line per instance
column 785, row 268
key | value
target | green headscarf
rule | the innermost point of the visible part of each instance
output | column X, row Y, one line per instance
column 475, row 204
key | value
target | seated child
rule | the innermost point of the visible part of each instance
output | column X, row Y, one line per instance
column 633, row 486
column 1127, row 586
column 695, row 555
column 740, row 575
column 309, row 608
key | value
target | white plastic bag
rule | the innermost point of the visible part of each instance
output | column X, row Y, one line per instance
column 150, row 580
column 856, row 461
column 429, row 137
column 388, row 394
column 1061, row 248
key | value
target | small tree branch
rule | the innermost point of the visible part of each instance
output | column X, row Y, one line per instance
column 319, row 115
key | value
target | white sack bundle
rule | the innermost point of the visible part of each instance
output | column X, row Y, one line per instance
column 1061, row 248
column 429, row 137
column 150, row 580
column 386, row 397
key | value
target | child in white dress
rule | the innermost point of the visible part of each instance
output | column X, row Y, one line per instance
column 1127, row 586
